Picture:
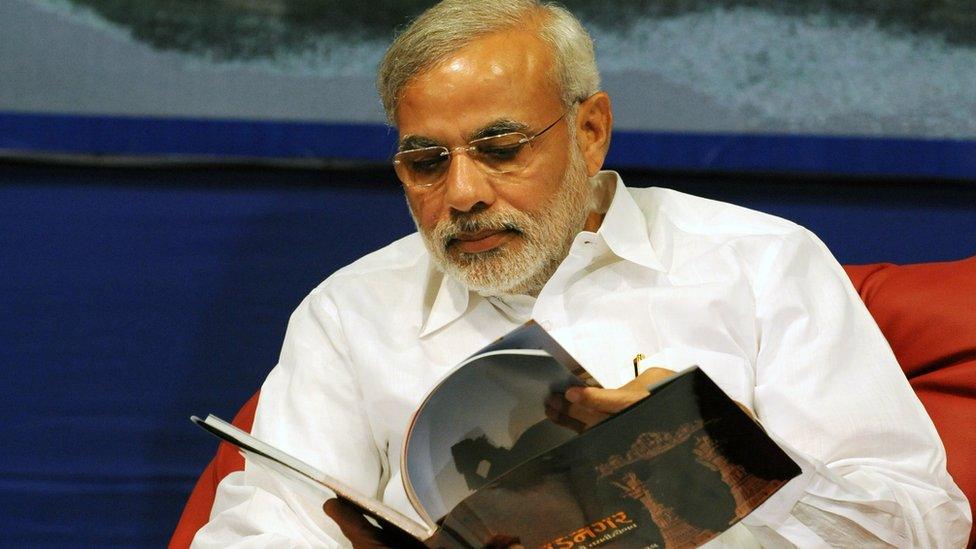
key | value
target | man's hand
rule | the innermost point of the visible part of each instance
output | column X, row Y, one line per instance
column 583, row 407
column 362, row 533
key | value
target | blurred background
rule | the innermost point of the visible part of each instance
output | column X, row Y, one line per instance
column 175, row 175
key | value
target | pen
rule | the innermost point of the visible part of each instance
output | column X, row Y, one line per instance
column 637, row 359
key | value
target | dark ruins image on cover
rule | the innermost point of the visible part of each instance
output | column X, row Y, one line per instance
column 703, row 467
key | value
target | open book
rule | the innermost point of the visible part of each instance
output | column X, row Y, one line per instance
column 481, row 459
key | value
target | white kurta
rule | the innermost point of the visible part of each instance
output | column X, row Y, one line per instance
column 756, row 301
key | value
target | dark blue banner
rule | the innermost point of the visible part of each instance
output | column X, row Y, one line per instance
column 374, row 143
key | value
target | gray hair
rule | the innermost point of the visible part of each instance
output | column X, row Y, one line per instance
column 452, row 24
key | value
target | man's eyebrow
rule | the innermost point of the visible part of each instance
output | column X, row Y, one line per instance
column 411, row 142
column 498, row 127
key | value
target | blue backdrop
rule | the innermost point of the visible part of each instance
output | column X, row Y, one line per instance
column 31, row 133
column 133, row 298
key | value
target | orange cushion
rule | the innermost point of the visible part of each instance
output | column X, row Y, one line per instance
column 927, row 312
column 228, row 459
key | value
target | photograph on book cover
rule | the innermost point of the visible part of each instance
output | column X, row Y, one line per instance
column 485, row 417
column 454, row 448
column 699, row 69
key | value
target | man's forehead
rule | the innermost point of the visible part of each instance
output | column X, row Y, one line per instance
column 498, row 80
column 517, row 50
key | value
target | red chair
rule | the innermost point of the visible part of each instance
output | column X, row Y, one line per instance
column 926, row 311
column 228, row 459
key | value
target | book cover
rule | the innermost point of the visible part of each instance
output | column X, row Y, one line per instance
column 674, row 470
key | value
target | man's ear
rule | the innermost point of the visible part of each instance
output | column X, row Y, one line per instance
column 594, row 124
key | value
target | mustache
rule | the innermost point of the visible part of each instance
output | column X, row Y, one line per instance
column 450, row 230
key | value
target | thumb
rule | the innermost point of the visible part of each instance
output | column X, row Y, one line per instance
column 647, row 378
column 607, row 401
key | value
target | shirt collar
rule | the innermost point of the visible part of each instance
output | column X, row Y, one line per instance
column 449, row 303
column 452, row 300
column 624, row 227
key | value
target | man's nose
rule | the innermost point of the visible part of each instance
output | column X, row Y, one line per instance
column 467, row 187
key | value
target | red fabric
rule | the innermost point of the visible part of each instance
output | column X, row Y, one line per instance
column 228, row 459
column 927, row 312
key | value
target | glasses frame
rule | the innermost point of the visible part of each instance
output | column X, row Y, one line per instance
column 467, row 149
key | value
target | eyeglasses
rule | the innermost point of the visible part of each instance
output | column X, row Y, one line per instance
column 497, row 154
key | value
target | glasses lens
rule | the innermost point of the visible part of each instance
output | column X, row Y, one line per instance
column 421, row 167
column 502, row 153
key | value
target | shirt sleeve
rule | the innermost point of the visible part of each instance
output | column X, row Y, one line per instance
column 830, row 390
column 311, row 407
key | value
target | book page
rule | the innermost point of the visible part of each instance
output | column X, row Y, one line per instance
column 532, row 336
column 484, row 419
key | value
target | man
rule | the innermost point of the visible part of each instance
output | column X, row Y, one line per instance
column 503, row 132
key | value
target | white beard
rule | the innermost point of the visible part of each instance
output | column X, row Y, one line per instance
column 545, row 238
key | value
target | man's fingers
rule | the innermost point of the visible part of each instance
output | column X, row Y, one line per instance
column 647, row 378
column 352, row 523
column 503, row 541
column 611, row 401
column 559, row 411
column 583, row 407
column 362, row 533
column 604, row 401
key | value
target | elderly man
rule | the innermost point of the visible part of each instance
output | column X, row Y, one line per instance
column 503, row 132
